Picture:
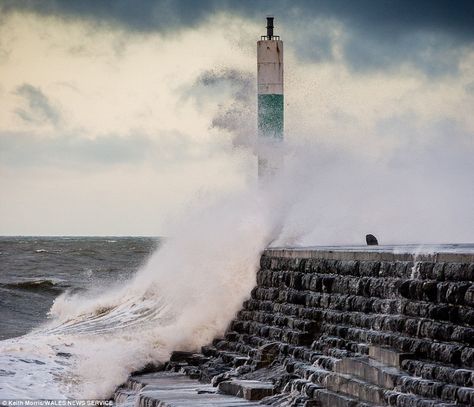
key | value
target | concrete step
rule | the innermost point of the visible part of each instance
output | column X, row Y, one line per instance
column 313, row 373
column 229, row 357
column 370, row 393
column 125, row 397
column 166, row 389
column 434, row 371
column 328, row 398
column 247, row 389
column 370, row 371
column 391, row 378
column 209, row 351
column 404, row 400
column 183, row 399
column 191, row 358
column 355, row 388
column 132, row 384
column 388, row 356
column 233, row 358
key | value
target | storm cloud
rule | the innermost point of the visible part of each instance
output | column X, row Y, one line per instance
column 74, row 151
column 38, row 107
column 379, row 34
column 237, row 116
column 125, row 105
column 391, row 16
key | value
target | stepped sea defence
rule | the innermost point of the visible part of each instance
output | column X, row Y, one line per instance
column 346, row 328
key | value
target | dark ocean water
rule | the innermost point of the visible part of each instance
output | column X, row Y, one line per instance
column 35, row 270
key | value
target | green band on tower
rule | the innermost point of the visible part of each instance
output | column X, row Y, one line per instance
column 270, row 116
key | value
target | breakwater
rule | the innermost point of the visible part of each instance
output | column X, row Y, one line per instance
column 345, row 328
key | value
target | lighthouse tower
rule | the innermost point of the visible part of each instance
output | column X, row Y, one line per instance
column 270, row 102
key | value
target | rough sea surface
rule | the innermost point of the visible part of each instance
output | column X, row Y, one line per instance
column 34, row 271
column 79, row 315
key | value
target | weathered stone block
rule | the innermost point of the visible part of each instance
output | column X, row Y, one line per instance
column 356, row 388
column 369, row 370
column 328, row 398
column 388, row 356
column 426, row 271
column 456, row 271
column 464, row 377
column 466, row 395
column 467, row 357
column 438, row 271
column 430, row 291
column 247, row 389
column 369, row 269
column 456, row 292
column 446, row 353
column 469, row 296
column 347, row 267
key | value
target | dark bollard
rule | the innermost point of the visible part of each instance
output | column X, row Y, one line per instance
column 371, row 240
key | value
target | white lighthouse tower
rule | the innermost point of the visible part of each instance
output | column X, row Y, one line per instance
column 270, row 102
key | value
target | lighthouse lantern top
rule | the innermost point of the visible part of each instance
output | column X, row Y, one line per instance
column 270, row 27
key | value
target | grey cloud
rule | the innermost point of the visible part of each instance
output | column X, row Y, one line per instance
column 445, row 160
column 434, row 53
column 429, row 34
column 391, row 16
column 38, row 107
column 139, row 15
column 238, row 115
column 441, row 148
column 75, row 151
column 243, row 83
column 383, row 35
column 469, row 88
column 29, row 149
column 314, row 43
column 4, row 54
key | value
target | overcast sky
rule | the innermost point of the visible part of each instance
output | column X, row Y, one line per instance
column 116, row 114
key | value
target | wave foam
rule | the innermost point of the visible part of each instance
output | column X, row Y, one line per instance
column 180, row 300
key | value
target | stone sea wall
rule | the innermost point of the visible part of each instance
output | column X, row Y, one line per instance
column 335, row 328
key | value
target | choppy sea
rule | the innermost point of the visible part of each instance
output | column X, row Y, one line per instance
column 34, row 272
